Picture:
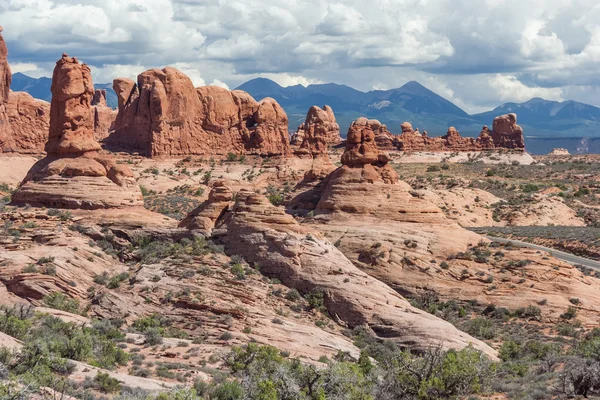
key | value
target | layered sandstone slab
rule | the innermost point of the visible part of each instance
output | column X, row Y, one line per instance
column 303, row 259
column 74, row 174
column 164, row 115
column 318, row 132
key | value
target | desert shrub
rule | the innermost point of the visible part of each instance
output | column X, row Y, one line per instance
column 60, row 301
column 481, row 328
column 105, row 383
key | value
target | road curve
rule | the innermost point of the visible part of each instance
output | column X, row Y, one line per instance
column 561, row 255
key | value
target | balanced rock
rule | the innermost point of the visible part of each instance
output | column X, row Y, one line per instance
column 163, row 115
column 301, row 258
column 74, row 174
column 506, row 133
column 319, row 131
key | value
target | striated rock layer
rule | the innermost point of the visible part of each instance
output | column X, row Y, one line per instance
column 74, row 174
column 318, row 132
column 164, row 115
column 303, row 259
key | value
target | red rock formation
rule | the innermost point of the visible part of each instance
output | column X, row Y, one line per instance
column 163, row 114
column 506, row 133
column 410, row 140
column 24, row 120
column 6, row 142
column 362, row 153
column 74, row 174
column 302, row 258
column 485, row 140
column 319, row 131
column 29, row 120
column 203, row 218
column 104, row 116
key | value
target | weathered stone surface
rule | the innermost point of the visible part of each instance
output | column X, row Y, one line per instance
column 506, row 133
column 163, row 114
column 6, row 140
column 318, row 132
column 71, row 123
column 29, row 121
column 303, row 259
column 24, row 121
column 74, row 174
column 104, row 116
column 362, row 153
column 203, row 218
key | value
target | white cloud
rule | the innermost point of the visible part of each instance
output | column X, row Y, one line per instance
column 29, row 69
column 475, row 53
column 509, row 88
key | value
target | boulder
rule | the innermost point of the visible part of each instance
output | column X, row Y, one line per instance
column 506, row 133
column 559, row 152
column 74, row 174
column 319, row 131
column 164, row 115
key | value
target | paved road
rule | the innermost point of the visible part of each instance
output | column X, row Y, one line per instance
column 561, row 255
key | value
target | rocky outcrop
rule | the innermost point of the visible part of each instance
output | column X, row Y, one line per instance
column 74, row 174
column 24, row 121
column 203, row 218
column 559, row 152
column 29, row 121
column 164, row 115
column 506, row 133
column 6, row 141
column 485, row 140
column 104, row 116
column 303, row 259
column 318, row 132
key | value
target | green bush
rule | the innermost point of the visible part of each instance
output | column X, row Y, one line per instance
column 60, row 301
column 106, row 384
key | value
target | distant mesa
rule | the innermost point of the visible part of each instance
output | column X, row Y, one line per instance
column 74, row 174
column 318, row 133
column 163, row 114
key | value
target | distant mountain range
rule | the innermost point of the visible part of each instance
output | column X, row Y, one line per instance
column 412, row 102
column 427, row 110
column 40, row 88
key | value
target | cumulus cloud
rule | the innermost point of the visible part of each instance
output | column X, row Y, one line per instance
column 509, row 88
column 475, row 53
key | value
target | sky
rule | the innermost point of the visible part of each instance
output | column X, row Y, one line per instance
column 476, row 53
